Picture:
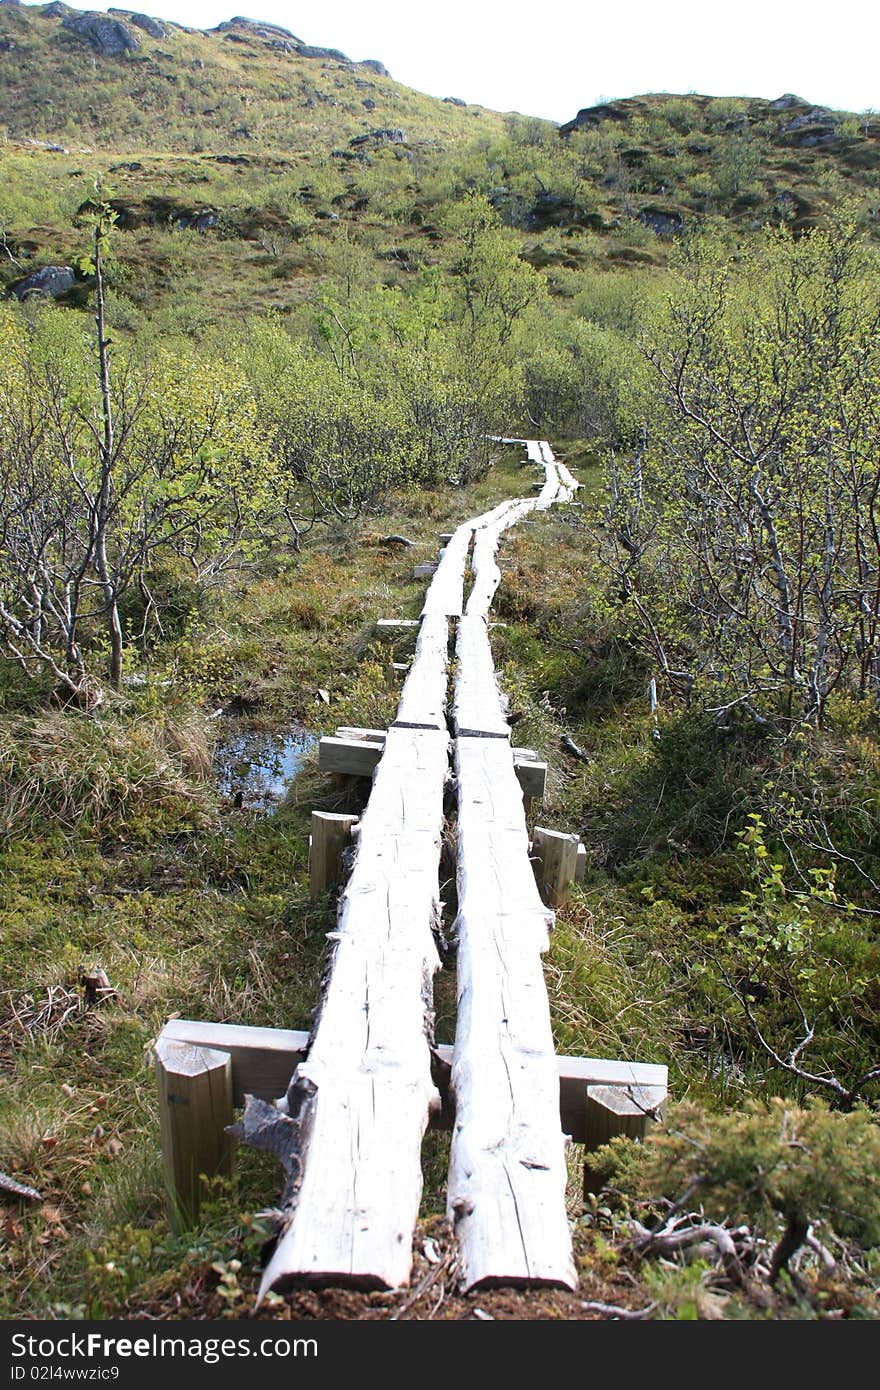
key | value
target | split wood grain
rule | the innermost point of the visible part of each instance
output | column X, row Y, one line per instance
column 369, row 1063
column 507, row 1174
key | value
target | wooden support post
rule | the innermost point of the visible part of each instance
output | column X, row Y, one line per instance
column 424, row 571
column 555, row 856
column 445, row 537
column 580, row 872
column 331, row 836
column 612, row 1110
column 195, row 1106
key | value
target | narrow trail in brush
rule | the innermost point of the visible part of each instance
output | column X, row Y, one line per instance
column 357, row 1107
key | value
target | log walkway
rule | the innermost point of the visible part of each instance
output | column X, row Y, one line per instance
column 349, row 1130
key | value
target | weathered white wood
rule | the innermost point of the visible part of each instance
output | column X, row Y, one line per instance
column 478, row 707
column 507, row 1173
column 349, row 731
column 331, row 837
column 446, row 592
column 424, row 571
column 370, row 1062
column 531, row 775
column 555, row 856
column 392, row 625
column 264, row 1058
column 423, row 698
column 195, row 1106
column 354, row 757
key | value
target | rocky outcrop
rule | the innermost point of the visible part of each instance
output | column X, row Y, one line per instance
column 590, row 116
column 257, row 28
column 154, row 27
column 385, row 136
column 662, row 221
column 109, row 37
column 242, row 28
column 786, row 102
column 48, row 282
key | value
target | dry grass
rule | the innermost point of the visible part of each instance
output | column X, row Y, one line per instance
column 73, row 770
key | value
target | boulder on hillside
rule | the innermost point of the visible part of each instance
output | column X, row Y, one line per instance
column 153, row 27
column 49, row 282
column 663, row 222
column 590, row 116
column 384, row 136
column 786, row 102
column 109, row 37
column 57, row 10
column 375, row 66
column 257, row 28
column 817, row 115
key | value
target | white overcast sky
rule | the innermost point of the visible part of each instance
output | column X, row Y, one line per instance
column 550, row 59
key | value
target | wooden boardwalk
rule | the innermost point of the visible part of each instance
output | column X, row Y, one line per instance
column 350, row 1128
column 366, row 1081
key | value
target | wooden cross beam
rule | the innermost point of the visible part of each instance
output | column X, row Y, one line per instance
column 262, row 1060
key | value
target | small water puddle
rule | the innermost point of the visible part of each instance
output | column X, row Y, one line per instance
column 254, row 767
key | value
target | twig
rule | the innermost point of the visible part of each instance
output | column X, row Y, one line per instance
column 611, row 1310
column 19, row 1189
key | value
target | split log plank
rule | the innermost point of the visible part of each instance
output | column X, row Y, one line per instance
column 423, row 698
column 446, row 591
column 369, row 1063
column 478, row 707
column 507, row 1174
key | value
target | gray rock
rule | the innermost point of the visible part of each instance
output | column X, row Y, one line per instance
column 385, row 136
column 109, row 37
column 257, row 28
column 590, row 116
column 454, row 101
column 56, row 10
column 663, row 224
column 368, row 104
column 375, row 66
column 149, row 25
column 10, row 2
column 817, row 115
column 49, row 281
column 308, row 50
column 786, row 102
